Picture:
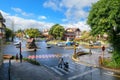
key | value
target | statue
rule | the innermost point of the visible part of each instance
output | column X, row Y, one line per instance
column 31, row 43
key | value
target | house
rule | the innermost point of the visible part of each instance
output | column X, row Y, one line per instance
column 2, row 36
column 72, row 33
column 45, row 32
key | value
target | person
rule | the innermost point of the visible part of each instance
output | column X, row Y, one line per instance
column 61, row 62
column 21, row 58
column 66, row 66
column 17, row 57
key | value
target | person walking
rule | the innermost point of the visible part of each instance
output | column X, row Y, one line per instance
column 61, row 62
column 17, row 57
column 21, row 58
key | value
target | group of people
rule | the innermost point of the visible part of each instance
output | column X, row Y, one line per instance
column 18, row 57
column 63, row 64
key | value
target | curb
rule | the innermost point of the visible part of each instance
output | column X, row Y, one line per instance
column 76, row 60
column 95, row 66
column 109, row 69
column 84, row 63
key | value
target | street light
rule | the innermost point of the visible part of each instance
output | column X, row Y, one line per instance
column 103, row 49
column 90, row 46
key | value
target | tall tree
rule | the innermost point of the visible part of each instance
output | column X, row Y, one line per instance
column 32, row 32
column 57, row 31
column 104, row 17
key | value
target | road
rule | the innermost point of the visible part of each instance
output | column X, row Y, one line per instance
column 50, row 57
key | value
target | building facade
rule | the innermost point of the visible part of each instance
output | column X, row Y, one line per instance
column 72, row 33
column 2, row 36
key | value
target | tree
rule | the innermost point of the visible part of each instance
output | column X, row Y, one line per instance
column 19, row 33
column 32, row 32
column 104, row 17
column 86, row 36
column 8, row 33
column 57, row 31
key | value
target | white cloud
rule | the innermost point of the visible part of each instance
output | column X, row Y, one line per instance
column 42, row 17
column 21, row 23
column 81, row 25
column 20, row 11
column 54, row 4
column 73, row 8
column 17, row 9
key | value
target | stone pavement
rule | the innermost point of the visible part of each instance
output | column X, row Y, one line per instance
column 4, row 70
column 92, row 60
column 27, row 71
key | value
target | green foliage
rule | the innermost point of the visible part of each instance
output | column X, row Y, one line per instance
column 32, row 32
column 111, row 64
column 31, row 61
column 86, row 36
column 104, row 17
column 57, row 31
column 19, row 31
column 8, row 33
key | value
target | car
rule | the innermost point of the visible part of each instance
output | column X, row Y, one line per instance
column 97, row 43
column 48, row 46
column 61, row 44
column 110, row 49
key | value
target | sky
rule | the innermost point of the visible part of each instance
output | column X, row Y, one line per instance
column 43, row 14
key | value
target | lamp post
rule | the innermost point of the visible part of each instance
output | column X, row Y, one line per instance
column 103, row 49
column 35, row 53
column 90, row 46
column 75, row 54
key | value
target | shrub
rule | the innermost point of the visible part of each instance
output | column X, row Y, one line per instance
column 111, row 64
column 31, row 61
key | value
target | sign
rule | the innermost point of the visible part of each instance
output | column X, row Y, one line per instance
column 103, row 48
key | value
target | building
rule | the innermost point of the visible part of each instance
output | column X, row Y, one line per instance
column 72, row 33
column 45, row 32
column 2, row 36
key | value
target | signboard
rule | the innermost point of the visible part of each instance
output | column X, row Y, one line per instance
column 103, row 48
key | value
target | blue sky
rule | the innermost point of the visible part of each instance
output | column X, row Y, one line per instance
column 42, row 12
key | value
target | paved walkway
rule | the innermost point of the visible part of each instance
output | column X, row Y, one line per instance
column 4, row 70
column 92, row 60
column 27, row 71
